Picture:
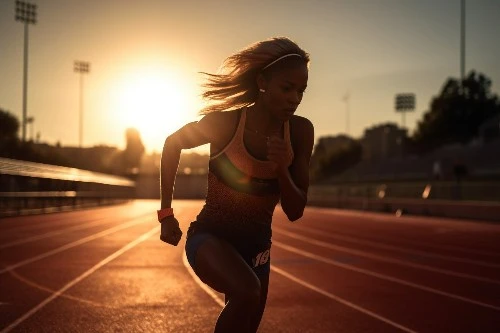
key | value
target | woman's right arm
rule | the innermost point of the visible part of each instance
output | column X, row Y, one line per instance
column 189, row 136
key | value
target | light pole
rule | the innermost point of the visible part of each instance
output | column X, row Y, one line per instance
column 26, row 13
column 405, row 103
column 31, row 120
column 81, row 67
column 462, row 40
column 346, row 100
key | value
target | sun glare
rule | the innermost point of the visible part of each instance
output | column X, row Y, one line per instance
column 155, row 103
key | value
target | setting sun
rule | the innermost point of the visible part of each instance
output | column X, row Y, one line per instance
column 154, row 102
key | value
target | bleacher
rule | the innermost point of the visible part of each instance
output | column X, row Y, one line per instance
column 28, row 187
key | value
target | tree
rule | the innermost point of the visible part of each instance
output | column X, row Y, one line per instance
column 457, row 113
column 9, row 143
column 9, row 125
column 333, row 155
column 133, row 151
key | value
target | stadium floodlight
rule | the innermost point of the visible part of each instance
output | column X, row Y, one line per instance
column 405, row 103
column 25, row 13
column 81, row 67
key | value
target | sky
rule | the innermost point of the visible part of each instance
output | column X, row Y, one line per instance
column 145, row 58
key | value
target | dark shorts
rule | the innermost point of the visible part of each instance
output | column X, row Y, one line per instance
column 256, row 252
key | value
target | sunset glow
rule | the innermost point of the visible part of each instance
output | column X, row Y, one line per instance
column 368, row 50
column 154, row 102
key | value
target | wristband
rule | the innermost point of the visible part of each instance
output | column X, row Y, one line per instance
column 162, row 213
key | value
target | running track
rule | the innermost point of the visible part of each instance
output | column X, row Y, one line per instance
column 105, row 270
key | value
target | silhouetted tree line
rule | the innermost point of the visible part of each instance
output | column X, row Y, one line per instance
column 327, row 162
column 454, row 116
column 103, row 159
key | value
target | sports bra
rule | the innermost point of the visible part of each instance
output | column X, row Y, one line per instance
column 243, row 191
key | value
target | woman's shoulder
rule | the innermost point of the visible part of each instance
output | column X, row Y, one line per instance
column 301, row 134
column 220, row 125
column 300, row 125
column 221, row 117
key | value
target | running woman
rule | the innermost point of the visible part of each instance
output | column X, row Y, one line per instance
column 259, row 156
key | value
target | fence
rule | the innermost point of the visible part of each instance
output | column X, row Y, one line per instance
column 473, row 200
column 27, row 187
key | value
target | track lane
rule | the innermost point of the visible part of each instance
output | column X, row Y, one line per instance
column 127, row 294
column 11, row 225
column 413, row 308
column 419, row 261
column 482, row 291
column 466, row 237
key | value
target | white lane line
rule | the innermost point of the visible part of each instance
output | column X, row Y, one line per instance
column 70, row 284
column 87, row 225
column 200, row 283
column 399, row 220
column 220, row 301
column 382, row 276
column 398, row 248
column 339, row 299
column 53, row 233
column 385, row 259
column 41, row 225
column 73, row 244
column 30, row 283
column 37, row 222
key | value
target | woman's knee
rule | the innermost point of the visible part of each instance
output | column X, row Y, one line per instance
column 247, row 290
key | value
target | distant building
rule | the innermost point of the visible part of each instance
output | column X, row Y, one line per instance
column 383, row 141
column 333, row 143
column 325, row 147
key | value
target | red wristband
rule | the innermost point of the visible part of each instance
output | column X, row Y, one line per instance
column 162, row 213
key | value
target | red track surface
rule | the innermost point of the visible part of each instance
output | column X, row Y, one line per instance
column 105, row 270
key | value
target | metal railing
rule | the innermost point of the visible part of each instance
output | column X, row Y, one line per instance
column 479, row 200
column 470, row 191
column 28, row 187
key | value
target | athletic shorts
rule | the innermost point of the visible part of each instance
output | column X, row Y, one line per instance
column 256, row 252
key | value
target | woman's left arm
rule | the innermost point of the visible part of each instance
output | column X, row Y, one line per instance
column 294, row 178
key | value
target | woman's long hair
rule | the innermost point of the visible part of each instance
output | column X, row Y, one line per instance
column 235, row 84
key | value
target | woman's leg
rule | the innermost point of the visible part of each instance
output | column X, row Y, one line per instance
column 256, row 318
column 220, row 266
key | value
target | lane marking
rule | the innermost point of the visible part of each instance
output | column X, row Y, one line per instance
column 219, row 301
column 84, row 240
column 35, row 285
column 385, row 259
column 75, row 216
column 52, row 233
column 73, row 282
column 339, row 299
column 87, row 225
column 214, row 295
column 398, row 220
column 382, row 276
column 40, row 225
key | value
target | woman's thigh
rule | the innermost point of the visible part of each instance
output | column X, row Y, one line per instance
column 218, row 264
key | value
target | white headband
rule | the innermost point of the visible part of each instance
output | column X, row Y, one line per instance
column 282, row 57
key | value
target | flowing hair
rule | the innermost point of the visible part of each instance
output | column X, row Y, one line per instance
column 235, row 84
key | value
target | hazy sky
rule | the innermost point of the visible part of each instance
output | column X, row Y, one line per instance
column 145, row 57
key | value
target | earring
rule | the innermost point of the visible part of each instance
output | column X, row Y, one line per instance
column 262, row 90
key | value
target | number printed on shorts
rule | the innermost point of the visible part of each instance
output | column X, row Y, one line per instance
column 261, row 258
